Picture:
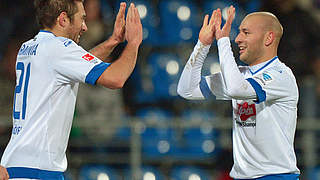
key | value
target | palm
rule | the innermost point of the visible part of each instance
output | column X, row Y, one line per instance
column 225, row 31
column 207, row 31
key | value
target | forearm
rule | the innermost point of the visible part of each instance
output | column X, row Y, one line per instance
column 188, row 86
column 104, row 49
column 237, row 86
column 116, row 75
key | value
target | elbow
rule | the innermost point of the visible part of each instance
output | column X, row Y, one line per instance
column 116, row 84
column 112, row 83
column 181, row 92
column 234, row 93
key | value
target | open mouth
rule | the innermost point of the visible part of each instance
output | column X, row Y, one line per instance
column 242, row 49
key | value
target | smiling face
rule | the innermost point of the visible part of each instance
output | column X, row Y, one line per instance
column 251, row 40
column 78, row 25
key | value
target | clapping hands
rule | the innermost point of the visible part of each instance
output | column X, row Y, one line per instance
column 212, row 28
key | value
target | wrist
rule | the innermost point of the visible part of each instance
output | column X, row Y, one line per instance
column 113, row 40
column 133, row 44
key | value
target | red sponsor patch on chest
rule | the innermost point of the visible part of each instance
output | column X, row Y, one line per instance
column 87, row 57
column 245, row 111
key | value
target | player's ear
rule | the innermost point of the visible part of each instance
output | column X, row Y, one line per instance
column 269, row 38
column 63, row 19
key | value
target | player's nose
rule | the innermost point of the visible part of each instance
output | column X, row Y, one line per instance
column 84, row 27
column 238, row 38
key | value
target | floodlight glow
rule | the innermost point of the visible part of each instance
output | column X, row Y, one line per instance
column 208, row 146
column 103, row 176
column 183, row 13
column 186, row 33
column 194, row 177
column 149, row 176
column 145, row 33
column 143, row 11
column 172, row 67
column 163, row 146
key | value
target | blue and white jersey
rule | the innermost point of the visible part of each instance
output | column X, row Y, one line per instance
column 49, row 70
column 264, row 105
column 264, row 127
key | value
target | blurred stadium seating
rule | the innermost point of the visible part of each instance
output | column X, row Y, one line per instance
column 98, row 172
column 147, row 173
column 189, row 173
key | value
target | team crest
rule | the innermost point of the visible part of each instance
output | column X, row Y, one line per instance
column 266, row 77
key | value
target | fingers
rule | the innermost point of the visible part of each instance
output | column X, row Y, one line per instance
column 231, row 13
column 122, row 10
column 129, row 14
column 137, row 15
column 212, row 19
column 217, row 19
column 205, row 20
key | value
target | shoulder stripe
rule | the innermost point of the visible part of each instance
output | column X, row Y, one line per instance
column 261, row 94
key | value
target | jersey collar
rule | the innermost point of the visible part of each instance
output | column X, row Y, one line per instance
column 256, row 68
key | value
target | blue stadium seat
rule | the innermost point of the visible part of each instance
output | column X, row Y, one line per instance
column 314, row 173
column 165, row 73
column 68, row 175
column 148, row 173
column 180, row 21
column 94, row 172
column 157, row 140
column 199, row 142
column 106, row 11
column 252, row 6
column 189, row 172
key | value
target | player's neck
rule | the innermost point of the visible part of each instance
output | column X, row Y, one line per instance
column 56, row 31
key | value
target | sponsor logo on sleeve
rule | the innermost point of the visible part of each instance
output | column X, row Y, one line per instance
column 88, row 57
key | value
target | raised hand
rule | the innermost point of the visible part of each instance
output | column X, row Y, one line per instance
column 119, row 25
column 207, row 31
column 133, row 32
column 225, row 31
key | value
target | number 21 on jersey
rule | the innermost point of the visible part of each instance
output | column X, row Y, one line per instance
column 21, row 91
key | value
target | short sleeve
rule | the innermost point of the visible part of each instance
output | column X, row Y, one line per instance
column 73, row 64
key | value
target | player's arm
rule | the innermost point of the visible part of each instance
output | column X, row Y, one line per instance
column 3, row 173
column 118, row 72
column 104, row 49
column 191, row 84
column 236, row 86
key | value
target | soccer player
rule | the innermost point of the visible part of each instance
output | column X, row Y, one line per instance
column 49, row 69
column 264, row 94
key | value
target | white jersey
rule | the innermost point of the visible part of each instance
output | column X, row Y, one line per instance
column 263, row 131
column 48, row 70
column 264, row 117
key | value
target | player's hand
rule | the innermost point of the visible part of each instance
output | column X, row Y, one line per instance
column 133, row 28
column 225, row 31
column 119, row 26
column 207, row 31
column 3, row 173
